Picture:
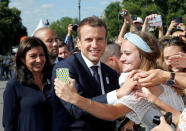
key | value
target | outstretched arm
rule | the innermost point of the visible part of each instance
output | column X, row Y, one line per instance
column 146, row 94
column 157, row 76
column 68, row 93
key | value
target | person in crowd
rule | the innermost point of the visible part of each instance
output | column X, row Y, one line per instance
column 127, row 20
column 69, row 38
column 111, row 57
column 94, row 79
column 138, row 22
column 146, row 25
column 50, row 39
column 26, row 105
column 172, row 47
column 75, row 50
column 63, row 51
column 139, row 51
column 174, row 27
column 6, row 67
column 181, row 34
column 1, row 67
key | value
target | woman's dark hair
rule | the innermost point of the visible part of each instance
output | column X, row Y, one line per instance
column 22, row 73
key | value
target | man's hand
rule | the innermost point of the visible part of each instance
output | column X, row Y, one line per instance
column 70, row 29
column 163, row 126
column 66, row 92
column 153, row 77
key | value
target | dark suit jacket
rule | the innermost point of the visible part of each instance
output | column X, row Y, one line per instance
column 69, row 117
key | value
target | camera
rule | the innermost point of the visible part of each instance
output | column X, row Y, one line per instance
column 123, row 13
column 74, row 27
column 134, row 18
column 177, row 19
column 168, row 118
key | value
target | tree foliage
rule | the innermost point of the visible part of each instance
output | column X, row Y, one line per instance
column 11, row 28
column 167, row 9
column 61, row 26
column 112, row 19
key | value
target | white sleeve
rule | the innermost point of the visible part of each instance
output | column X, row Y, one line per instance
column 111, row 97
column 139, row 108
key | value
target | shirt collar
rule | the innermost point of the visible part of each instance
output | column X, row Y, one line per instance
column 88, row 62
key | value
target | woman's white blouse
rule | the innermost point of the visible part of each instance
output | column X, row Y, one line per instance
column 143, row 111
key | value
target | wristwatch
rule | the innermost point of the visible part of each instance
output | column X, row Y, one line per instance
column 171, row 81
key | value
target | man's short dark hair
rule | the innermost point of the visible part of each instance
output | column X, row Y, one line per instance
column 63, row 44
column 111, row 50
column 91, row 21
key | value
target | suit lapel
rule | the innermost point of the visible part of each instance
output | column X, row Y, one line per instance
column 105, row 77
column 87, row 76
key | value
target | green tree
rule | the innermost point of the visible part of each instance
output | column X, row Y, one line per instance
column 112, row 19
column 11, row 28
column 142, row 8
column 167, row 9
column 61, row 26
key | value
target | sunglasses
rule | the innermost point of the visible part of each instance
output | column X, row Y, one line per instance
column 174, row 40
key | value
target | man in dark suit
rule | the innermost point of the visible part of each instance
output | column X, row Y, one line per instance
column 92, row 35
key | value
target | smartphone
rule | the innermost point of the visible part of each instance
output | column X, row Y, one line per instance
column 156, row 21
column 63, row 74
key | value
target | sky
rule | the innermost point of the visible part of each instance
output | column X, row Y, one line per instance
column 34, row 10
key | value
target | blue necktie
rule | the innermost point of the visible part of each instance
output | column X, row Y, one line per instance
column 97, row 78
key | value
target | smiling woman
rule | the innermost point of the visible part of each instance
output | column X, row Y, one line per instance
column 26, row 103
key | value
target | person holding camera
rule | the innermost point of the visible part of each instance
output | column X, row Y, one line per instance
column 175, row 25
column 157, row 24
column 69, row 38
column 127, row 20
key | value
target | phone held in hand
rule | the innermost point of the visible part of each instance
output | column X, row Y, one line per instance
column 63, row 74
column 156, row 21
column 177, row 19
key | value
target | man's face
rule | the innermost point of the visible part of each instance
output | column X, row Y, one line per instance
column 50, row 39
column 93, row 42
column 115, row 63
column 63, row 52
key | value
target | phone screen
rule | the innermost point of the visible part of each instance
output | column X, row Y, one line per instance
column 63, row 74
column 156, row 21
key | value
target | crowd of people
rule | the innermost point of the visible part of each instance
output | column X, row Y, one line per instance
column 6, row 67
column 120, row 85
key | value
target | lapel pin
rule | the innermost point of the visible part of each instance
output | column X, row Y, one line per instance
column 107, row 79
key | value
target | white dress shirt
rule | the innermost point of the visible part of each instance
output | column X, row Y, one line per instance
column 111, row 96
